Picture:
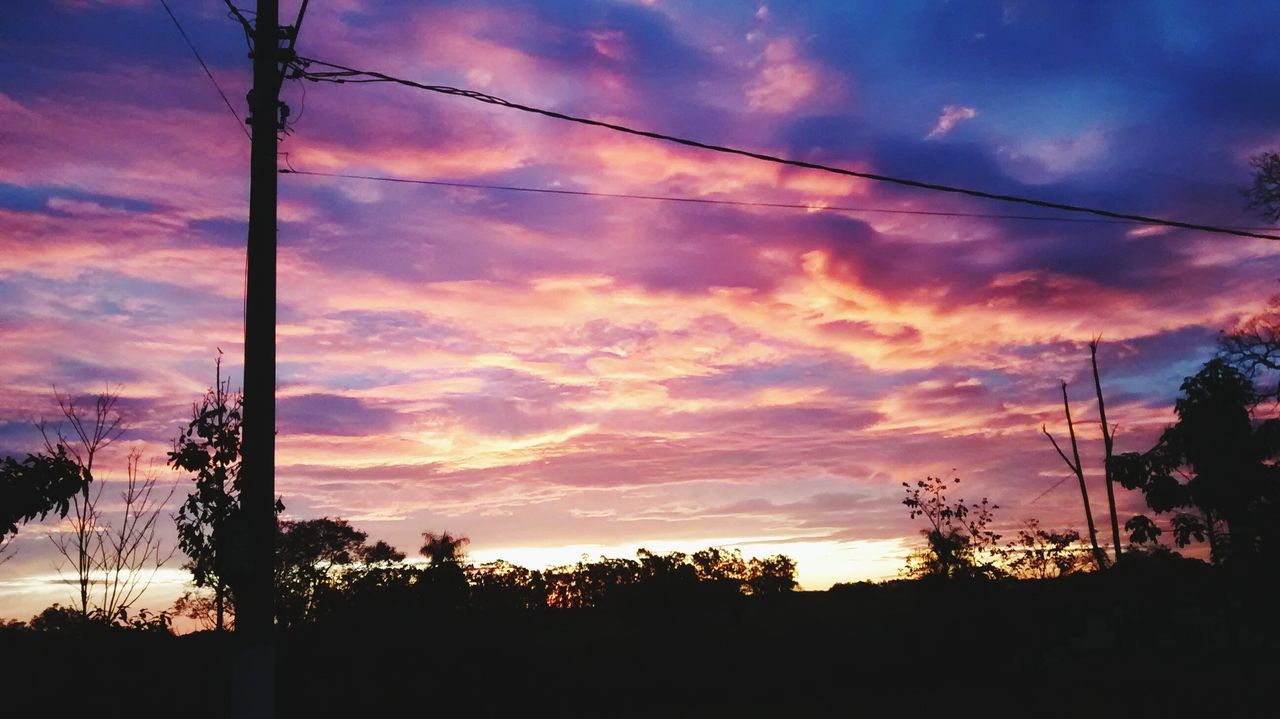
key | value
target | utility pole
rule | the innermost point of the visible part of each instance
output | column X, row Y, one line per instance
column 253, row 682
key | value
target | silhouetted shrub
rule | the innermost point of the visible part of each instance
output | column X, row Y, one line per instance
column 959, row 543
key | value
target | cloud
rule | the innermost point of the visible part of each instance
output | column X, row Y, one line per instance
column 1044, row 161
column 329, row 414
column 951, row 116
column 784, row 79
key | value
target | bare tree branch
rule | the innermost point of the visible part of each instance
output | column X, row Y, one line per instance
column 1078, row 469
column 1253, row 347
column 1061, row 454
column 91, row 432
column 128, row 554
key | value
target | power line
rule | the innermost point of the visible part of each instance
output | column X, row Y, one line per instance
column 708, row 201
column 1056, row 484
column 194, row 51
column 292, row 33
column 297, row 25
column 341, row 74
column 244, row 307
column 238, row 15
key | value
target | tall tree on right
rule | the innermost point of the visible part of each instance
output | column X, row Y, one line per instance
column 1212, row 471
column 209, row 448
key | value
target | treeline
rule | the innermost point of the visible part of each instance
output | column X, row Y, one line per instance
column 326, row 570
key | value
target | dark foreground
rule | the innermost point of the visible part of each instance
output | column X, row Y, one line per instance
column 1135, row 643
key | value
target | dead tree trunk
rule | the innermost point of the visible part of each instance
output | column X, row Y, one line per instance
column 1107, row 443
column 1098, row 556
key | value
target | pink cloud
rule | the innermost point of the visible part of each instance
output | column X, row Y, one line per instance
column 1050, row 160
column 784, row 79
column 951, row 116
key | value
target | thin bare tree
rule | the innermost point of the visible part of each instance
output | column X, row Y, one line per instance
column 127, row 553
column 91, row 431
column 1108, row 443
column 1099, row 558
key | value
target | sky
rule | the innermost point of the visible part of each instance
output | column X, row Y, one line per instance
column 555, row 376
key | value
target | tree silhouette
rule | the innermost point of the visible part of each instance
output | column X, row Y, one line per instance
column 724, row 569
column 208, row 520
column 443, row 584
column 1253, row 348
column 506, row 586
column 375, row 583
column 1264, row 194
column 1037, row 553
column 959, row 541
column 118, row 552
column 1212, row 470
column 199, row 605
column 91, row 431
column 771, row 575
column 126, row 550
column 380, row 554
column 443, row 548
column 309, row 556
column 35, row 487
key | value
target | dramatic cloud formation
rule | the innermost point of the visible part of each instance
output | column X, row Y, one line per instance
column 558, row 375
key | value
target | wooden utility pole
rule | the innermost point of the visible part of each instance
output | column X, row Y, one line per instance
column 254, row 675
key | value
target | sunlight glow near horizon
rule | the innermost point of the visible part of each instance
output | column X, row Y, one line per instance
column 552, row 375
column 820, row 563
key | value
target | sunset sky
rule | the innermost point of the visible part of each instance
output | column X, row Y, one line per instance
column 553, row 375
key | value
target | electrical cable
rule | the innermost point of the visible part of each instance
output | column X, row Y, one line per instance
column 194, row 51
column 710, row 201
column 341, row 74
column 1055, row 485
